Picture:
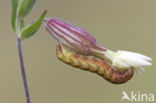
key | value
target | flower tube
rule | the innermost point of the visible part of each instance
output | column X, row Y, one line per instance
column 72, row 36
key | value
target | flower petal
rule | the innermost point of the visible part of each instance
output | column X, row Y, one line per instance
column 138, row 55
column 119, row 63
column 133, row 60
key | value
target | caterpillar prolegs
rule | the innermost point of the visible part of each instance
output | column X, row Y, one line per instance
column 93, row 64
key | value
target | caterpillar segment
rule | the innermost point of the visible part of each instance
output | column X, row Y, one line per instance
column 93, row 64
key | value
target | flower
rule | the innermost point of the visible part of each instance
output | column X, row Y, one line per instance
column 84, row 43
column 125, row 59
column 72, row 36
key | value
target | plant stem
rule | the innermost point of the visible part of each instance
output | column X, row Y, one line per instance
column 23, row 72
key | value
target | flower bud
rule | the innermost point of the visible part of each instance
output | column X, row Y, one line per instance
column 72, row 36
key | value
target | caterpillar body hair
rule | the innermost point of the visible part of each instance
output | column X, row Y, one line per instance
column 93, row 64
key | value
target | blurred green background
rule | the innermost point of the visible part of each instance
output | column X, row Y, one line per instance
column 117, row 24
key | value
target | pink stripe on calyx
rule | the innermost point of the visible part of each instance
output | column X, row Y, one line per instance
column 79, row 32
column 68, row 40
column 66, row 33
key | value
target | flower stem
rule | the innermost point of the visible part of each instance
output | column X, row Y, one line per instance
column 23, row 72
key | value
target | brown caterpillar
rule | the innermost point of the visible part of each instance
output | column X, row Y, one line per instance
column 94, row 64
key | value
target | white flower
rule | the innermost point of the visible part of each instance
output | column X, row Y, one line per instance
column 125, row 59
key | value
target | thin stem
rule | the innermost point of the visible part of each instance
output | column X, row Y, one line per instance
column 23, row 72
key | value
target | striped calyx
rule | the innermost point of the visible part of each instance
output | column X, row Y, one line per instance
column 72, row 36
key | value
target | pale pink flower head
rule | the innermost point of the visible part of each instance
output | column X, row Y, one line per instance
column 83, row 42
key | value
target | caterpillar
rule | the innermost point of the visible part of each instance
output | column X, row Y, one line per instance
column 93, row 64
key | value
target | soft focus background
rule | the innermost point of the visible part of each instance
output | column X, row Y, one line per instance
column 116, row 24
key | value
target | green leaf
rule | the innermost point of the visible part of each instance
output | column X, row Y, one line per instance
column 13, row 15
column 21, row 24
column 31, row 29
column 29, row 7
column 21, row 8
column 25, row 6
